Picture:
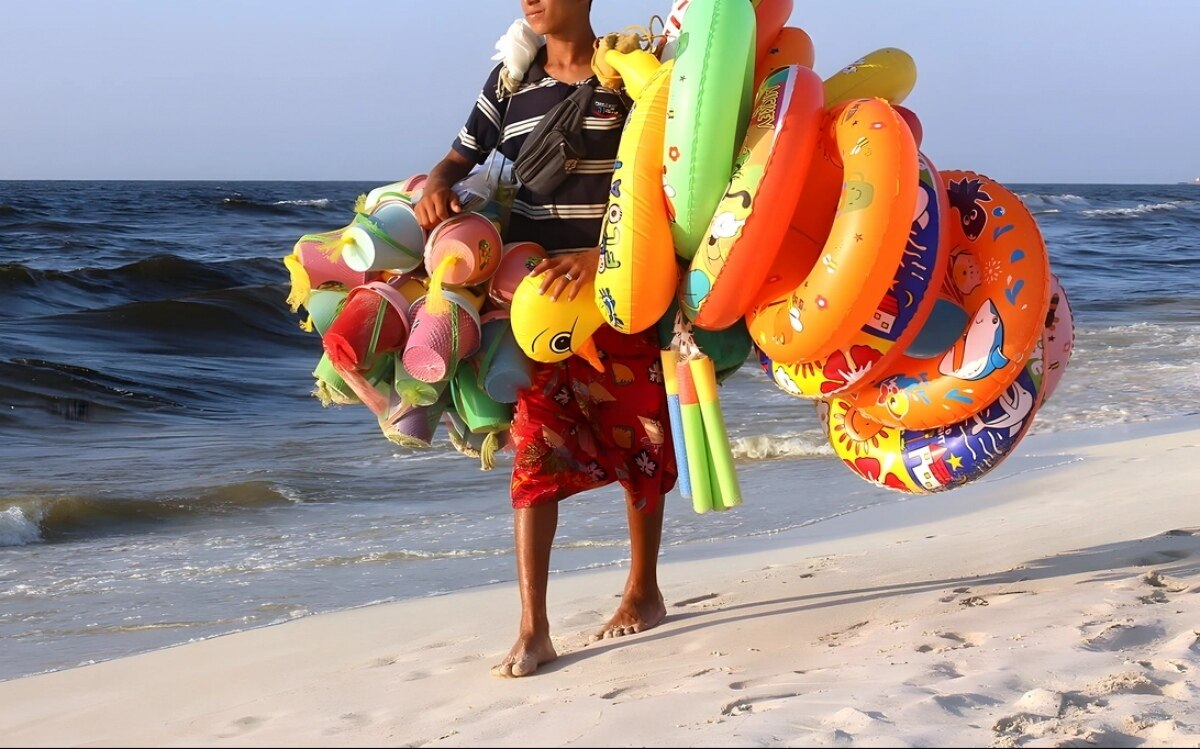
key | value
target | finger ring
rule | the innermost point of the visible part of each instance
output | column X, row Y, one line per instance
column 568, row 276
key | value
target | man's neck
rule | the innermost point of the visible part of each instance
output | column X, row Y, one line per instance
column 570, row 53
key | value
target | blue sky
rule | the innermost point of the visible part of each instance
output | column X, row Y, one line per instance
column 1061, row 91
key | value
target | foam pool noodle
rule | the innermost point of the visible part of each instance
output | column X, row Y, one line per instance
column 715, row 432
column 670, row 364
column 693, row 434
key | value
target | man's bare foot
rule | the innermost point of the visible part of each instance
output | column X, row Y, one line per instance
column 529, row 652
column 637, row 613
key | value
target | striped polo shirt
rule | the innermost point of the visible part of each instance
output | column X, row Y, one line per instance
column 570, row 218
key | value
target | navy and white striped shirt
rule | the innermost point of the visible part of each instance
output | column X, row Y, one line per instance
column 571, row 218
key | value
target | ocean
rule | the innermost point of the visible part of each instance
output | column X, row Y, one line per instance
column 165, row 474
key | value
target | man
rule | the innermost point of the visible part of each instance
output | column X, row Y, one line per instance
column 575, row 429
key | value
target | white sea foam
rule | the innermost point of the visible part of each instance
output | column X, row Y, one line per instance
column 772, row 446
column 18, row 529
column 1141, row 209
column 316, row 203
column 1066, row 200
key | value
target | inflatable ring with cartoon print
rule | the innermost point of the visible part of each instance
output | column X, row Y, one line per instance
column 865, row 244
column 898, row 318
column 999, row 273
column 753, row 216
column 924, row 461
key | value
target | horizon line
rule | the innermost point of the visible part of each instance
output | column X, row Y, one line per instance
column 386, row 182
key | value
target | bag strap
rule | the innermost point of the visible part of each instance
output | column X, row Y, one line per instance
column 582, row 98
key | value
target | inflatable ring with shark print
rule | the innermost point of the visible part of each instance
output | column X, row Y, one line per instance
column 924, row 461
column 999, row 273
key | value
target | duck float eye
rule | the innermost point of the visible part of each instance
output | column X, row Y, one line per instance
column 561, row 343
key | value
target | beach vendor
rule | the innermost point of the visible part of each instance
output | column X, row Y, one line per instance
column 575, row 428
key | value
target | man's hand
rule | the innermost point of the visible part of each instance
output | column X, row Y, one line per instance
column 568, row 272
column 438, row 201
column 435, row 206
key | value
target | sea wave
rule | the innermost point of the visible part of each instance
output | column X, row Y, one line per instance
column 239, row 202
column 774, row 446
column 317, row 203
column 39, row 519
column 30, row 290
column 75, row 393
column 224, row 322
column 1065, row 200
column 1139, row 210
column 19, row 529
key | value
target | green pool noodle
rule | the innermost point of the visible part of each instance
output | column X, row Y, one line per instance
column 716, row 434
column 718, row 501
column 693, row 435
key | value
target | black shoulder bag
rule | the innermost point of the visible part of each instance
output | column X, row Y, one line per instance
column 553, row 150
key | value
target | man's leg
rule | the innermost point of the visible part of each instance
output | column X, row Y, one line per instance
column 642, row 605
column 533, row 529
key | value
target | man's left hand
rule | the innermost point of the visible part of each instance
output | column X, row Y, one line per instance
column 568, row 272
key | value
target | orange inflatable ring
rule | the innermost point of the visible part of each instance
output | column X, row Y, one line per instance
column 999, row 274
column 899, row 316
column 769, row 17
column 811, row 221
column 792, row 46
column 753, row 217
column 868, row 238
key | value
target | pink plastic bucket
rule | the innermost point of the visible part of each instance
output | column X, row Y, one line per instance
column 431, row 354
column 321, row 269
column 516, row 262
column 473, row 241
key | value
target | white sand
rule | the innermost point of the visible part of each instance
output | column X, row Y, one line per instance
column 1060, row 605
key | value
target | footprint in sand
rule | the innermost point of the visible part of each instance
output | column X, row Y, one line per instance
column 953, row 641
column 614, row 693
column 782, row 680
column 962, row 705
column 937, row 673
column 1155, row 579
column 242, row 725
column 850, row 719
column 1124, row 636
column 348, row 722
column 834, row 639
column 1165, row 556
column 384, row 662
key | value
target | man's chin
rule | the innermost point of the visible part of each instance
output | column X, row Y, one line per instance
column 537, row 23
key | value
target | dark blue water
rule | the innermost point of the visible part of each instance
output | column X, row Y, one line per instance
column 165, row 473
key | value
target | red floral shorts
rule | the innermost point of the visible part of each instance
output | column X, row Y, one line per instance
column 577, row 429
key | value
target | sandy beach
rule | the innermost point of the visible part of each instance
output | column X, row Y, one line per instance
column 1056, row 604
